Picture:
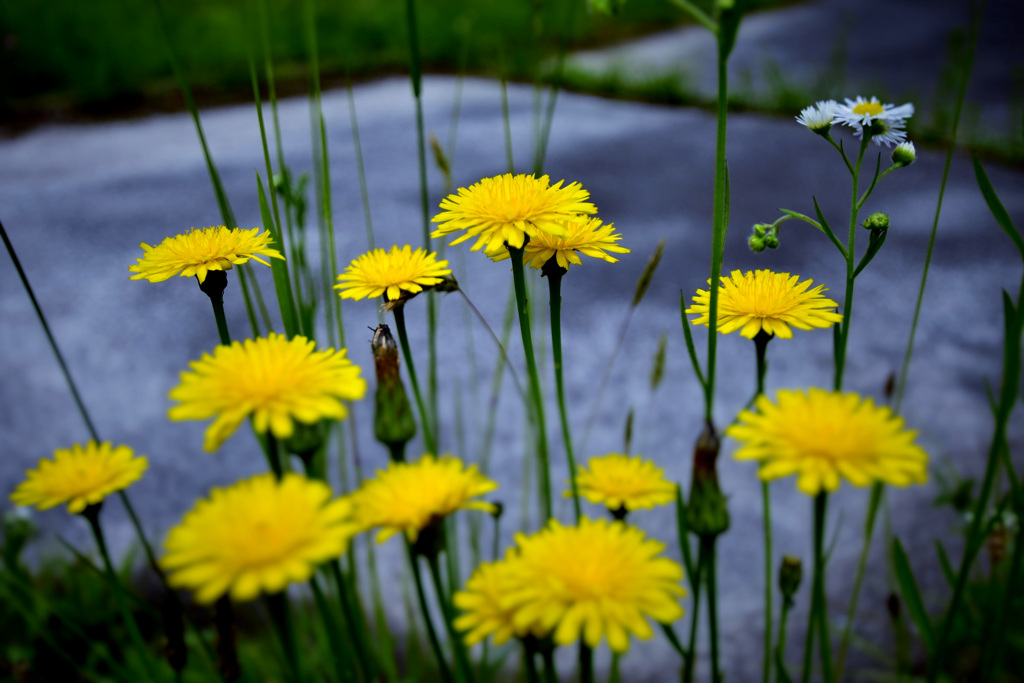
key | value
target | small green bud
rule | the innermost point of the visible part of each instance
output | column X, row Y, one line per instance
column 706, row 512
column 393, row 423
column 904, row 154
column 877, row 222
column 305, row 441
column 790, row 574
column 771, row 240
column 761, row 228
column 756, row 244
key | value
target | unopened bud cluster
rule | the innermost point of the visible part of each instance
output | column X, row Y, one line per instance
column 876, row 222
column 765, row 236
column 791, row 573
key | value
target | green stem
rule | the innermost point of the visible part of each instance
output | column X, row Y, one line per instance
column 280, row 616
column 844, row 328
column 91, row 514
column 222, row 322
column 586, row 663
column 355, row 627
column 957, row 109
column 403, row 338
column 554, row 275
column 716, row 674
column 274, row 455
column 547, row 654
column 522, row 306
column 780, row 648
column 529, row 650
column 336, row 643
column 720, row 227
column 461, row 658
column 761, row 346
column 818, row 616
column 435, row 642
column 694, row 621
column 869, row 525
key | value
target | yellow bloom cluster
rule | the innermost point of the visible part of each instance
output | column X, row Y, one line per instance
column 583, row 235
column 200, row 251
column 620, row 481
column 274, row 380
column 822, row 436
column 396, row 273
column 408, row 497
column 258, row 535
column 80, row 476
column 595, row 581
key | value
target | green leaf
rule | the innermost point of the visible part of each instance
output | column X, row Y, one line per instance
column 645, row 278
column 279, row 267
column 947, row 566
column 911, row 595
column 670, row 634
column 1011, row 353
column 780, row 667
column 684, row 542
column 690, row 348
column 996, row 207
column 827, row 229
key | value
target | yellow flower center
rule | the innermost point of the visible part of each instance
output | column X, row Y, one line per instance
column 869, row 108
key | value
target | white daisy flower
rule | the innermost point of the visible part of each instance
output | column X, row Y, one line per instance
column 819, row 117
column 884, row 121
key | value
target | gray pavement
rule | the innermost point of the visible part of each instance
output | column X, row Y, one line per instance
column 77, row 200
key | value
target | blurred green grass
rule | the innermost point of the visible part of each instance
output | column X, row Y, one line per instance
column 107, row 56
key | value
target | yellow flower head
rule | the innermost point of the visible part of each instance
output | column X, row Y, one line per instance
column 618, row 481
column 379, row 272
column 409, row 497
column 583, row 235
column 768, row 301
column 80, row 476
column 481, row 603
column 200, row 251
column 595, row 581
column 508, row 209
column 258, row 535
column 822, row 436
column 273, row 379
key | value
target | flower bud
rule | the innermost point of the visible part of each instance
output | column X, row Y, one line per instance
column 761, row 228
column 790, row 574
column 706, row 512
column 877, row 222
column 756, row 244
column 904, row 154
column 393, row 422
column 771, row 240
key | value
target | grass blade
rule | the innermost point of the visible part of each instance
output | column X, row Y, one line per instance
column 911, row 594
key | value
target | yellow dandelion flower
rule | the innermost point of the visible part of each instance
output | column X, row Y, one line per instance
column 258, row 535
column 508, row 209
column 200, row 251
column 763, row 300
column 409, row 497
column 275, row 380
column 594, row 581
column 380, row 272
column 620, row 481
column 481, row 603
column 80, row 476
column 821, row 436
column 583, row 235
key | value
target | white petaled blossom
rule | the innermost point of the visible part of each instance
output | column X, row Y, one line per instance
column 904, row 154
column 885, row 122
column 819, row 117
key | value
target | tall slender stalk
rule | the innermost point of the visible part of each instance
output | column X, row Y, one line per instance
column 869, row 524
column 280, row 615
column 91, row 514
column 461, row 658
column 428, row 435
column 435, row 642
column 844, row 326
column 522, row 306
column 761, row 346
column 554, row 274
column 818, row 615
column 709, row 549
column 977, row 8
column 695, row 584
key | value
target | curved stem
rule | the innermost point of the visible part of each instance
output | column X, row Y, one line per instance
column 91, row 514
column 554, row 276
column 435, row 642
column 280, row 615
column 869, row 525
column 461, row 659
column 522, row 307
column 403, row 339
